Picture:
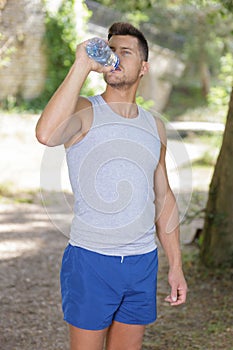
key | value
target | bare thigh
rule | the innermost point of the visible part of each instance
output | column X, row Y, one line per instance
column 123, row 336
column 82, row 339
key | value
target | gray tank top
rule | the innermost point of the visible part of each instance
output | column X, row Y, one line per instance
column 111, row 172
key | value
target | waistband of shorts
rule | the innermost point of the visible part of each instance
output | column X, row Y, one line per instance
column 117, row 258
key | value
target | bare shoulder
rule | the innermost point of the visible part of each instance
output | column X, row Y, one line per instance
column 84, row 112
column 80, row 122
column 82, row 103
column 161, row 130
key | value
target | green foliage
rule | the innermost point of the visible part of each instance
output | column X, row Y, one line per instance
column 137, row 17
column 183, row 99
column 60, row 44
column 146, row 104
column 207, row 160
column 228, row 4
column 127, row 6
column 136, row 11
column 200, row 30
column 9, row 193
column 219, row 95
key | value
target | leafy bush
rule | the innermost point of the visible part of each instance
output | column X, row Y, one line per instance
column 60, row 41
column 219, row 95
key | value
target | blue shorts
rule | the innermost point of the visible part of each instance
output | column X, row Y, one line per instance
column 98, row 289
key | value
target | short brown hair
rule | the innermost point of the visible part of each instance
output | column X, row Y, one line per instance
column 123, row 28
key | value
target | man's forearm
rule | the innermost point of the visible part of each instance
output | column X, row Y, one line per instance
column 171, row 246
column 167, row 226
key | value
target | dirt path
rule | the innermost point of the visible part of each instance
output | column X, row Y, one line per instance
column 31, row 249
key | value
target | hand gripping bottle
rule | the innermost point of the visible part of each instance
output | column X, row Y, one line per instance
column 98, row 50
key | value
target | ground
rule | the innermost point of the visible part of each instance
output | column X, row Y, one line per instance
column 31, row 316
column 33, row 235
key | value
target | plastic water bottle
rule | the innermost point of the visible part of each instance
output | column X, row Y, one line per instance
column 98, row 50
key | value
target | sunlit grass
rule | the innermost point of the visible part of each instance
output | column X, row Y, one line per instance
column 9, row 193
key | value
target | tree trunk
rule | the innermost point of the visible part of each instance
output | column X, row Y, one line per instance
column 205, row 78
column 217, row 245
column 203, row 52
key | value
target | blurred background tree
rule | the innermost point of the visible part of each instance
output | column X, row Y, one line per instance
column 200, row 31
column 61, row 38
column 217, row 240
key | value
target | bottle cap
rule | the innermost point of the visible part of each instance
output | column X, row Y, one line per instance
column 117, row 62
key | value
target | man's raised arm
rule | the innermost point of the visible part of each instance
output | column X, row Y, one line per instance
column 53, row 127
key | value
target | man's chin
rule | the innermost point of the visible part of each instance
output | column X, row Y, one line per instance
column 116, row 85
column 112, row 80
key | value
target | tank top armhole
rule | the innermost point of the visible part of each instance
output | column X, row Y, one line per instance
column 154, row 121
column 75, row 144
column 161, row 130
column 94, row 102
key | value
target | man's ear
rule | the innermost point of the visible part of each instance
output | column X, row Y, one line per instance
column 144, row 69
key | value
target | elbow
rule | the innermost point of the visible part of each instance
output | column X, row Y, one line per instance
column 48, row 133
column 43, row 138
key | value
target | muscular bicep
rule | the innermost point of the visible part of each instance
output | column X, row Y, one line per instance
column 161, row 184
column 167, row 216
column 78, row 122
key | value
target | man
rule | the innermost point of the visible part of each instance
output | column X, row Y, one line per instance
column 116, row 160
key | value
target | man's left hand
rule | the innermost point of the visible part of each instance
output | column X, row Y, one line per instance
column 178, row 287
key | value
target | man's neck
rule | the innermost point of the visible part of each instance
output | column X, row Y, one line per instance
column 122, row 105
column 121, row 94
column 121, row 101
